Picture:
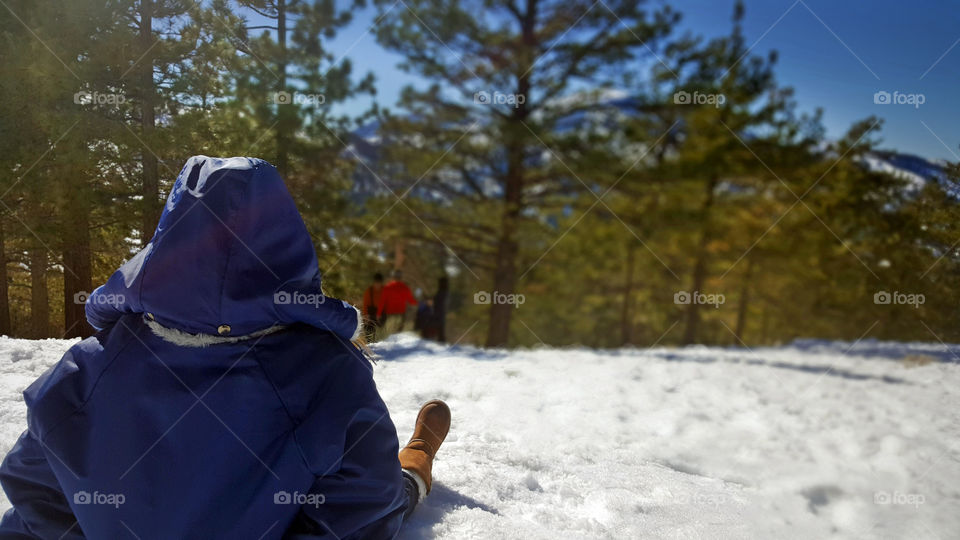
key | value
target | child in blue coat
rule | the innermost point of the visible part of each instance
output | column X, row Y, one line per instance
column 222, row 396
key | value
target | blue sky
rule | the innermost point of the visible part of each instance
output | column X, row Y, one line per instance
column 836, row 54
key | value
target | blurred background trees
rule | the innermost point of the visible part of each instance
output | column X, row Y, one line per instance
column 614, row 175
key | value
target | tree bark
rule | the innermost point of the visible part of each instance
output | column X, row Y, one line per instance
column 516, row 136
column 284, row 110
column 744, row 304
column 4, row 287
column 764, row 326
column 700, row 267
column 77, row 270
column 505, row 273
column 626, row 323
column 151, row 176
column 399, row 253
column 39, row 294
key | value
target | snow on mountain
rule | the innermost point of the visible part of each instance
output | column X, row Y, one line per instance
column 813, row 440
column 875, row 163
column 915, row 170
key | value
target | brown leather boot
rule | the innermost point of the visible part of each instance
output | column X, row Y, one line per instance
column 416, row 457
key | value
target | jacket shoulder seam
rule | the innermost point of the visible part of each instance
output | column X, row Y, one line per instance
column 93, row 388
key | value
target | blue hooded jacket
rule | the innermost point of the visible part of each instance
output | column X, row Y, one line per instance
column 221, row 398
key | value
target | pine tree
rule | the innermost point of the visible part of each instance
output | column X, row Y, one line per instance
column 501, row 86
column 726, row 129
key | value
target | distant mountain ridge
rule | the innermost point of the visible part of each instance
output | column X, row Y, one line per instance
column 916, row 170
column 365, row 143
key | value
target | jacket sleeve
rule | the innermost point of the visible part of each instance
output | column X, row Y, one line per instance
column 40, row 508
column 350, row 444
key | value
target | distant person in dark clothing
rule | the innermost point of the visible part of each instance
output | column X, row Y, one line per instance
column 426, row 322
column 440, row 308
column 372, row 300
column 393, row 306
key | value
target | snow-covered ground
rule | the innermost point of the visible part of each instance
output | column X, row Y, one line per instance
column 814, row 440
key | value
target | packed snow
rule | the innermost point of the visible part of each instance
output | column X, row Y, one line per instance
column 812, row 440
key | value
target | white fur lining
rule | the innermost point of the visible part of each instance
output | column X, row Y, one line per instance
column 359, row 330
column 185, row 339
column 421, row 485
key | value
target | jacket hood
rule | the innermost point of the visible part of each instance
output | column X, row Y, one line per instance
column 231, row 256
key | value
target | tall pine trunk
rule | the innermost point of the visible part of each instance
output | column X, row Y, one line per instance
column 4, row 286
column 744, row 304
column 508, row 248
column 700, row 266
column 76, row 272
column 505, row 272
column 151, row 176
column 626, row 322
column 764, row 326
column 39, row 294
column 284, row 110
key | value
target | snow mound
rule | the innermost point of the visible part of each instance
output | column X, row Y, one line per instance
column 811, row 440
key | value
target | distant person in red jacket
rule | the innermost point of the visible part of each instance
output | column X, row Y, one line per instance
column 394, row 300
